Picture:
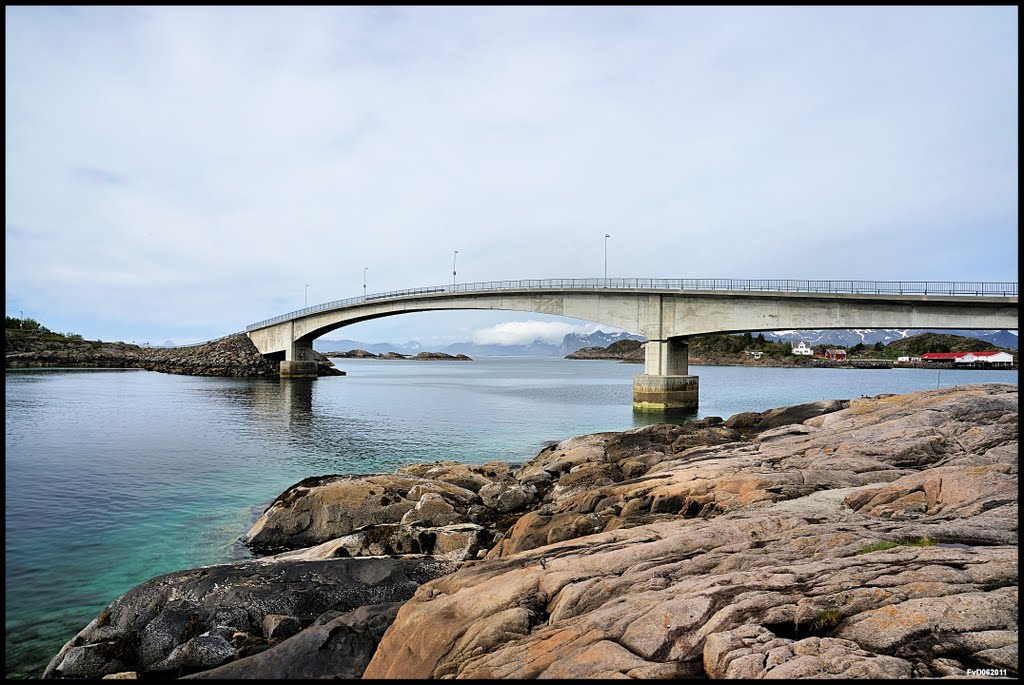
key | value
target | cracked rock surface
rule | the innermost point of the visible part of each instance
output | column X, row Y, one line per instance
column 874, row 541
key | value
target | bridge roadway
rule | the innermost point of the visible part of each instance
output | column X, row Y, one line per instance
column 666, row 312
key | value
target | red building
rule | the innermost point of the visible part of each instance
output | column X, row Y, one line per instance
column 835, row 355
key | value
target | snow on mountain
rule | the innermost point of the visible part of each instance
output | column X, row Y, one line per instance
column 577, row 341
column 870, row 336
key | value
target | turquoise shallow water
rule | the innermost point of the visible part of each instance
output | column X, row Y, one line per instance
column 113, row 477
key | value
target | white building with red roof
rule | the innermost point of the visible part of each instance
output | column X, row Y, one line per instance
column 988, row 358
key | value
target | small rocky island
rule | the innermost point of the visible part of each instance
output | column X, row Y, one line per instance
column 631, row 351
column 430, row 356
column 867, row 538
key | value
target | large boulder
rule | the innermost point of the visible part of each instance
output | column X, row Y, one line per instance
column 437, row 508
column 317, row 510
column 200, row 618
column 756, row 422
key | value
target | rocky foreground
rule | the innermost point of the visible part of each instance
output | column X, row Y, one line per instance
column 872, row 538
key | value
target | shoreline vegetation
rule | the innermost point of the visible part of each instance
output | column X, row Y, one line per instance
column 750, row 350
column 864, row 538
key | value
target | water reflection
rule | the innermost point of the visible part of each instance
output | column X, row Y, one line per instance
column 297, row 400
column 647, row 418
column 274, row 402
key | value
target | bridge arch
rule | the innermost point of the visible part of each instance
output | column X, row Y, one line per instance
column 666, row 312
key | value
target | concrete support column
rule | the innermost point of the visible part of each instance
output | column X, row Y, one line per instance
column 298, row 361
column 666, row 357
column 665, row 386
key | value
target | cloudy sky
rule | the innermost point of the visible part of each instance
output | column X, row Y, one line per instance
column 177, row 173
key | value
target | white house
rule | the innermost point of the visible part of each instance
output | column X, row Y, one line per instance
column 987, row 358
column 803, row 348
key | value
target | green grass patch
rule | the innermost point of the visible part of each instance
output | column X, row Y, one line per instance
column 878, row 547
column 889, row 544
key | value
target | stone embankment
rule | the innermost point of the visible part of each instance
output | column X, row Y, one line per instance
column 872, row 538
column 234, row 355
column 363, row 354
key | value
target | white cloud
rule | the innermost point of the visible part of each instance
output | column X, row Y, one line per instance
column 526, row 332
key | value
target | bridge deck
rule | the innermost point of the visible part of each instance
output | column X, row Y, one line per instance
column 721, row 286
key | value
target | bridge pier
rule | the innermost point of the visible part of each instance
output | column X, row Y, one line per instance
column 665, row 385
column 298, row 361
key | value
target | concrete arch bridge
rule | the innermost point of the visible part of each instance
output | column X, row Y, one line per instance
column 666, row 312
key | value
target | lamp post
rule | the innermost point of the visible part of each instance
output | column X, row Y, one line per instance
column 606, row 237
column 364, row 281
column 305, row 297
column 454, row 257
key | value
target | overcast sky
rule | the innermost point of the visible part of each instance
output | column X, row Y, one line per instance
column 175, row 173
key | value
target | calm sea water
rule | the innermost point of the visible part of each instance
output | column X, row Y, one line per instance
column 113, row 477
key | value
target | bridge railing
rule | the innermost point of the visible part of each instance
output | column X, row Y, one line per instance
column 947, row 288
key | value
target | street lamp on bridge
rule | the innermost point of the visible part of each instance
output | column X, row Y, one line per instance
column 454, row 257
column 364, row 281
column 606, row 237
column 305, row 297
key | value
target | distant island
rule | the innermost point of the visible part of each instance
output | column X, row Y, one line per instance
column 751, row 350
column 432, row 356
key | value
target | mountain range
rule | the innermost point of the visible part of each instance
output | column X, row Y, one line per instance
column 870, row 336
column 538, row 348
column 576, row 341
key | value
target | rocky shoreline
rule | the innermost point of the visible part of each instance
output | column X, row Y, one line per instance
column 869, row 538
column 234, row 355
